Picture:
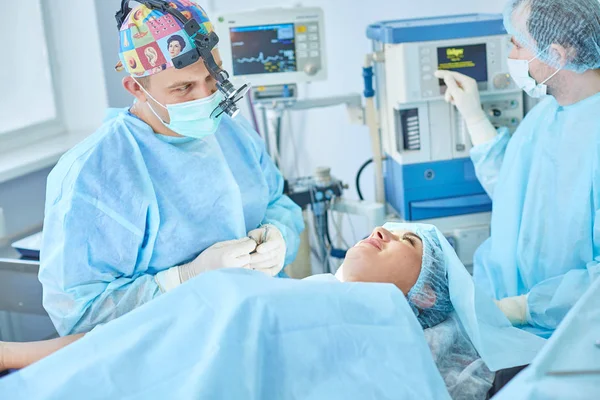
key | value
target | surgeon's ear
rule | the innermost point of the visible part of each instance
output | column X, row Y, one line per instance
column 134, row 88
column 560, row 54
column 425, row 299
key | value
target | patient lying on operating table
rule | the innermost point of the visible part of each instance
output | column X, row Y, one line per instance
column 358, row 337
column 413, row 261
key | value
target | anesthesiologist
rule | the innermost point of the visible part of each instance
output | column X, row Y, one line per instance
column 163, row 191
column 544, row 247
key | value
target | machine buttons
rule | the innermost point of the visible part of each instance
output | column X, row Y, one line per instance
column 301, row 37
column 313, row 28
column 314, row 46
column 302, row 54
column 311, row 69
column 502, row 81
column 314, row 53
column 426, row 60
column 425, row 52
column 408, row 129
column 314, row 37
column 427, row 77
column 426, row 68
column 429, row 174
column 302, row 46
column 495, row 113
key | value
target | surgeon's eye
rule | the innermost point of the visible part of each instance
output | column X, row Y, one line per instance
column 185, row 88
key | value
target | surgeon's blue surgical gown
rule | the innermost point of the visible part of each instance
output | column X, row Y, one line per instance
column 545, row 186
column 127, row 203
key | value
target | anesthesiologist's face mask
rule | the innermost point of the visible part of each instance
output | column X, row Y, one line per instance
column 194, row 119
column 519, row 71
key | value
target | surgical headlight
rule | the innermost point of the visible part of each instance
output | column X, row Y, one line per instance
column 203, row 46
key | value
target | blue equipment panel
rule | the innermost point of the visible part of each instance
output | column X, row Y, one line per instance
column 437, row 28
column 434, row 190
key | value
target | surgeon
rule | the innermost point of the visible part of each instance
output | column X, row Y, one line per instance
column 545, row 180
column 165, row 190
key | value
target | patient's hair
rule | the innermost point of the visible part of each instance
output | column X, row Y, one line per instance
column 430, row 296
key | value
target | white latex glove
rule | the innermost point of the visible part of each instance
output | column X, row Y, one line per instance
column 463, row 93
column 339, row 274
column 515, row 309
column 270, row 253
column 228, row 254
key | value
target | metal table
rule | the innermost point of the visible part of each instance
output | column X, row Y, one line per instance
column 22, row 316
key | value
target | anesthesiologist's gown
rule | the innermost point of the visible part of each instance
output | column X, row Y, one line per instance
column 127, row 203
column 545, row 186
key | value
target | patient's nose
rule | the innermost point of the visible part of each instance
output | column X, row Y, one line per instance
column 381, row 234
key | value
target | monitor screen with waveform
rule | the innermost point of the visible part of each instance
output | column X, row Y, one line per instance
column 263, row 49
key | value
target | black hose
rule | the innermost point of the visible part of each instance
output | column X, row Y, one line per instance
column 327, row 235
column 358, row 175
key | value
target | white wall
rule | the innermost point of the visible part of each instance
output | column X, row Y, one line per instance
column 78, row 73
column 77, row 63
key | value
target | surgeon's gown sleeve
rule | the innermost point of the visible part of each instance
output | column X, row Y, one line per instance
column 106, row 284
column 487, row 159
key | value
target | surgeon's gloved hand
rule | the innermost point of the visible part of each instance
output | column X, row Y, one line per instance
column 463, row 93
column 514, row 308
column 228, row 254
column 270, row 253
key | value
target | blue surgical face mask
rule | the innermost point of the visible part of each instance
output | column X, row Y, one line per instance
column 195, row 119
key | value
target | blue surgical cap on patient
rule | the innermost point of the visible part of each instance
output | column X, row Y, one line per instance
column 431, row 287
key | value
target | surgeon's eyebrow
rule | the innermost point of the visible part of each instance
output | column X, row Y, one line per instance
column 180, row 84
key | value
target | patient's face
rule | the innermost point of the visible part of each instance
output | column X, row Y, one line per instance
column 386, row 257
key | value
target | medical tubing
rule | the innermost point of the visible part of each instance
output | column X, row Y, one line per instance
column 278, row 133
column 358, row 175
column 253, row 114
column 368, row 79
column 371, row 119
column 327, row 233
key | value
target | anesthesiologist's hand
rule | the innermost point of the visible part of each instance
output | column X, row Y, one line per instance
column 228, row 254
column 270, row 253
column 463, row 93
column 514, row 308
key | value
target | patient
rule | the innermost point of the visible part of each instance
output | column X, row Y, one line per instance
column 413, row 261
